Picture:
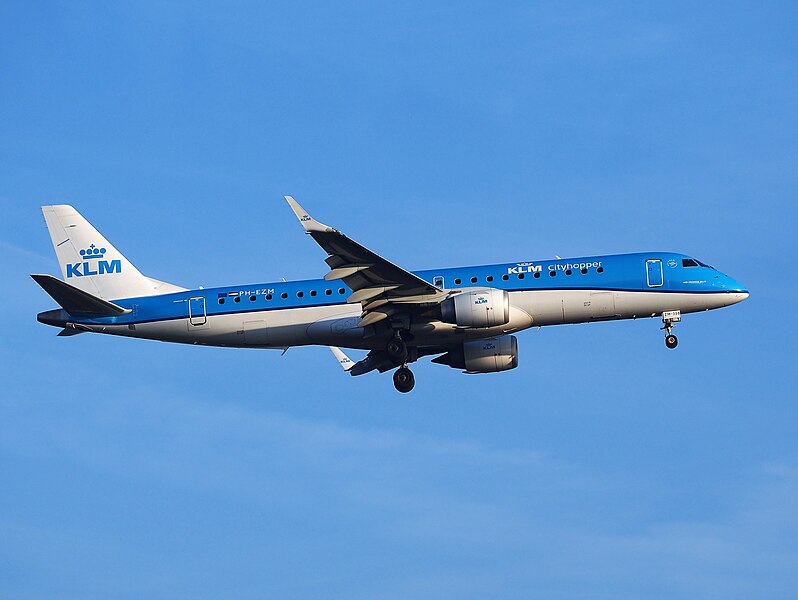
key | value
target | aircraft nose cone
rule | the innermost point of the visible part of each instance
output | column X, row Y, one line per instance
column 737, row 296
column 737, row 288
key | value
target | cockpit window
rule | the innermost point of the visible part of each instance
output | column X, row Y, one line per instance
column 691, row 262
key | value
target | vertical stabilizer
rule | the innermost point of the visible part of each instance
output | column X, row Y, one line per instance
column 91, row 263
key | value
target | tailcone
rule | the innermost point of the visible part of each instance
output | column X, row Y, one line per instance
column 56, row 318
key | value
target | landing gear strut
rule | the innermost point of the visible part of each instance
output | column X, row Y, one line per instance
column 403, row 379
column 670, row 317
column 397, row 350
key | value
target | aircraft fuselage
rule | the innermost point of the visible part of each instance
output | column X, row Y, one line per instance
column 542, row 293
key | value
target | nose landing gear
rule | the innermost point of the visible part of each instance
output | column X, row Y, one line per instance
column 669, row 317
column 403, row 379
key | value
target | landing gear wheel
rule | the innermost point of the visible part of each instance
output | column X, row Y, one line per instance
column 403, row 380
column 671, row 341
column 397, row 350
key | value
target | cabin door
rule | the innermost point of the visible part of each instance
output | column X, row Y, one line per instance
column 654, row 272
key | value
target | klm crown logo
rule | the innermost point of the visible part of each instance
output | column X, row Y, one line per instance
column 83, row 269
column 92, row 252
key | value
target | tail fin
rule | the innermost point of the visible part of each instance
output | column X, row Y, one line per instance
column 90, row 263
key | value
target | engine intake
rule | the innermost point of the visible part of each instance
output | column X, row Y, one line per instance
column 483, row 356
column 488, row 308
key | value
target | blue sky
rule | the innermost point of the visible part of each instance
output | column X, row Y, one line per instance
column 437, row 134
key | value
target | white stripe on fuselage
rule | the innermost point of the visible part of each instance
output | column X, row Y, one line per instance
column 336, row 325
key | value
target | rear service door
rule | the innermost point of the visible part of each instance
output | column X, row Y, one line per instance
column 196, row 311
column 654, row 272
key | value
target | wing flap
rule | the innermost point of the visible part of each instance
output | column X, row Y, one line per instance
column 341, row 272
column 368, row 293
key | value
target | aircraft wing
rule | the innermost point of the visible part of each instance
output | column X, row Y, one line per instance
column 382, row 288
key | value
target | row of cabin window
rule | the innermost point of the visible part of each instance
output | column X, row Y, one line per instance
column 284, row 295
column 536, row 274
column 457, row 281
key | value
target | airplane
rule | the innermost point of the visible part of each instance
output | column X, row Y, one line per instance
column 465, row 317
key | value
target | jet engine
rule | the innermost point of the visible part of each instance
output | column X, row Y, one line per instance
column 488, row 308
column 483, row 356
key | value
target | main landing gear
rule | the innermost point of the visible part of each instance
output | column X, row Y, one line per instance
column 397, row 351
column 670, row 317
column 403, row 379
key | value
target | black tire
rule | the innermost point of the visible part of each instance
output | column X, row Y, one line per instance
column 397, row 350
column 403, row 380
column 671, row 341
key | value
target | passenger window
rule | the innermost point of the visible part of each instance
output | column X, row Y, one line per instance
column 300, row 294
column 328, row 292
column 341, row 291
column 457, row 281
column 537, row 275
column 584, row 271
column 505, row 277
column 312, row 292
column 283, row 295
column 252, row 298
column 237, row 299
column 567, row 271
column 221, row 300
column 489, row 278
column 473, row 280
column 552, row 273
column 521, row 276
column 600, row 270
column 268, row 296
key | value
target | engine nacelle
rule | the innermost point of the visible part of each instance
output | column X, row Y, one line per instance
column 488, row 308
column 483, row 356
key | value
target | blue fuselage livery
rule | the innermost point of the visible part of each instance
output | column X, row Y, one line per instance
column 465, row 315
column 618, row 273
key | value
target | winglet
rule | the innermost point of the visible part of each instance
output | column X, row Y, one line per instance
column 308, row 222
column 345, row 362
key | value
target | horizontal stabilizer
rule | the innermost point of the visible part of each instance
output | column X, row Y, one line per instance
column 77, row 302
